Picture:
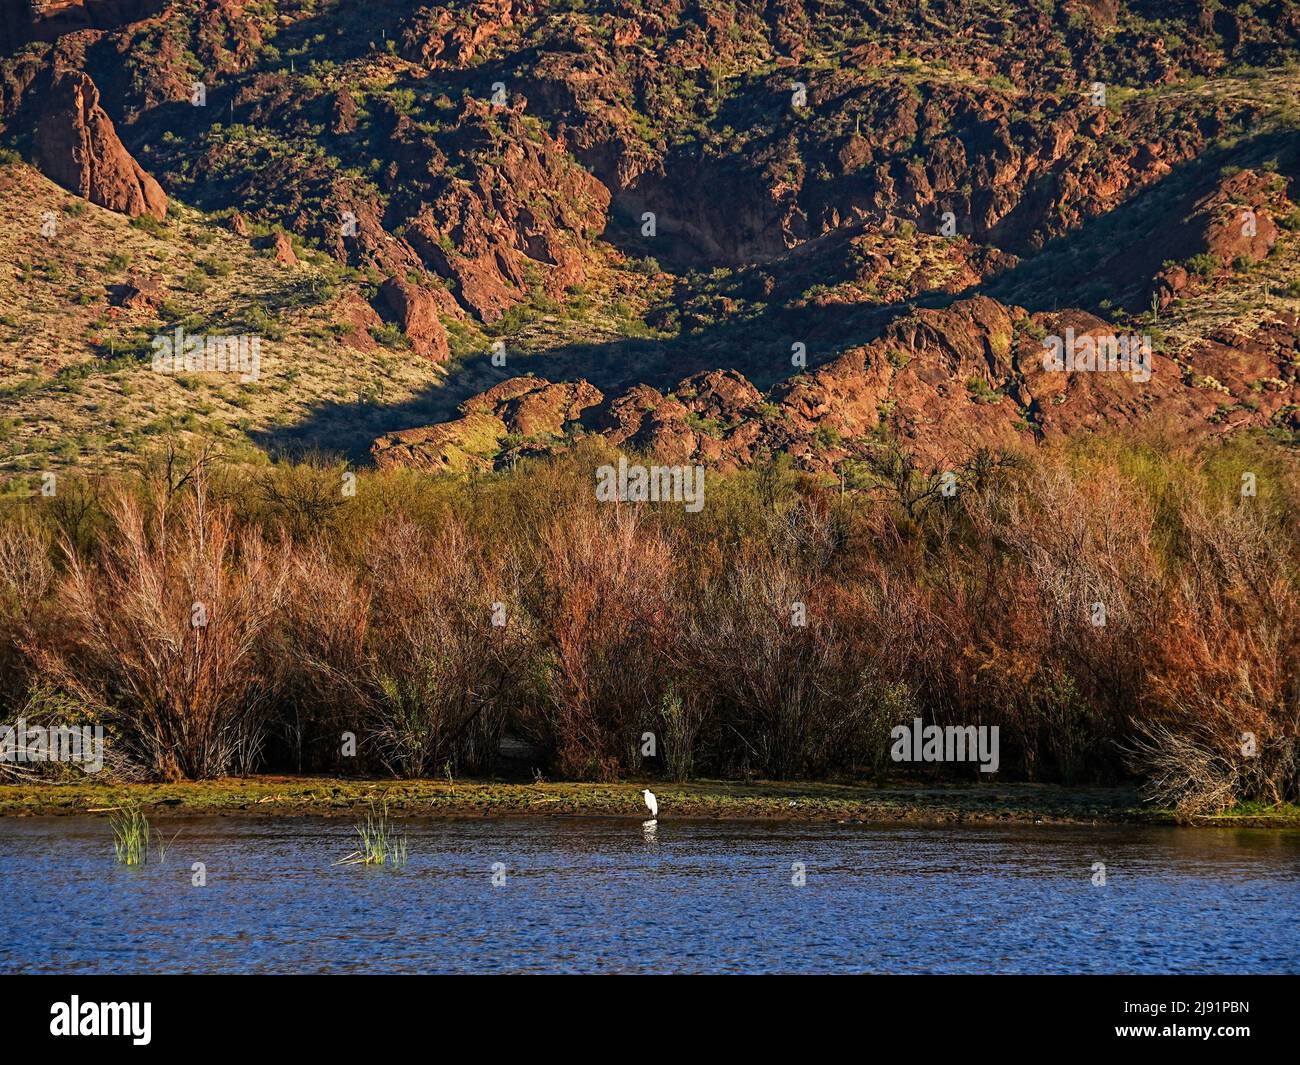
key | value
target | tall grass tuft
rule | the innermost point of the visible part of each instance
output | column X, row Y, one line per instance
column 380, row 844
column 130, row 835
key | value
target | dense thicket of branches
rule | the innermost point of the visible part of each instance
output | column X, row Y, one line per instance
column 217, row 626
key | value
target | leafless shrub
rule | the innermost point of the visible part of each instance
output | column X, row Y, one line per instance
column 771, row 660
column 974, row 608
column 435, row 680
column 320, row 657
column 26, row 576
column 1184, row 771
column 304, row 497
column 162, row 632
column 26, row 572
column 47, row 706
column 607, row 597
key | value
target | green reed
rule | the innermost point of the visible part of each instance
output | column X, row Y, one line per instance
column 380, row 844
column 130, row 835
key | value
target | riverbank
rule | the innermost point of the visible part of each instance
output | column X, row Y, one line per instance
column 281, row 796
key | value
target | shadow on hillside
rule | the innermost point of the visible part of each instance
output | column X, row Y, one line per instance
column 1113, row 257
column 759, row 347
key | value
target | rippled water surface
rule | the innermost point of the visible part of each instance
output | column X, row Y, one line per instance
column 607, row 895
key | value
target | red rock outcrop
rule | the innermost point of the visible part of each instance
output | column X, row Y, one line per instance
column 142, row 293
column 77, row 146
column 282, row 249
column 440, row 37
column 796, row 201
column 416, row 311
column 358, row 318
column 714, row 417
column 522, row 407
column 527, row 211
column 44, row 20
column 941, row 381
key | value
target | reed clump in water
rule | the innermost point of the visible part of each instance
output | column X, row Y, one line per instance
column 130, row 835
column 380, row 844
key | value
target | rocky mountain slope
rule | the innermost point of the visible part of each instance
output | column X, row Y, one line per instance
column 466, row 232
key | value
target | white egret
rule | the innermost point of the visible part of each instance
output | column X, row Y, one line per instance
column 652, row 803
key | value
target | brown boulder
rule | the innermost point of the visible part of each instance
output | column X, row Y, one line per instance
column 643, row 419
column 1168, row 284
column 77, row 146
column 971, row 337
column 283, row 250
column 1068, row 402
column 470, row 442
column 416, row 311
column 547, row 408
column 142, row 294
column 723, row 394
column 529, row 405
column 343, row 112
column 1238, row 219
column 358, row 318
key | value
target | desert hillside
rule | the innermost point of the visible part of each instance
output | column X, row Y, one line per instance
column 462, row 234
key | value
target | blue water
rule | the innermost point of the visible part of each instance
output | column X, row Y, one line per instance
column 606, row 895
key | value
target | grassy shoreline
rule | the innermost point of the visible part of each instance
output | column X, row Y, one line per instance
column 287, row 796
